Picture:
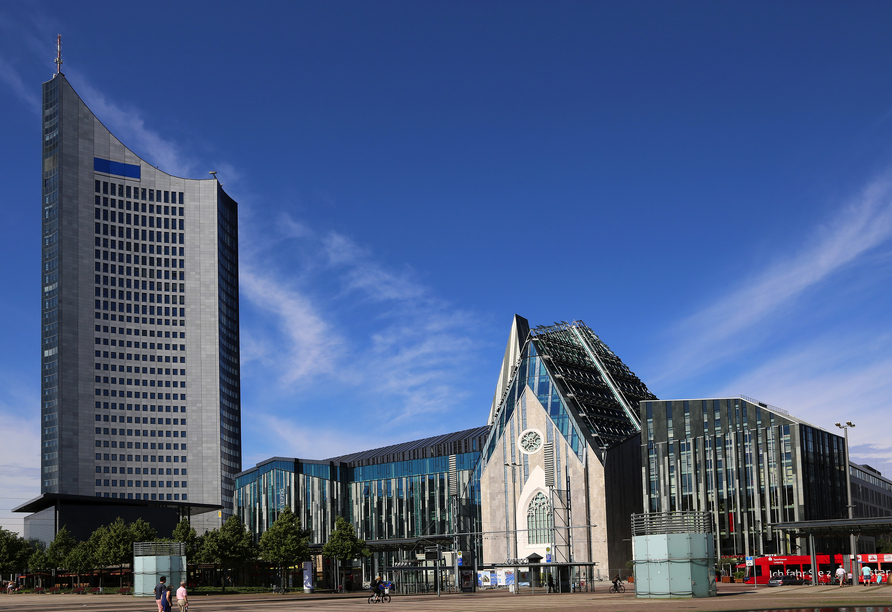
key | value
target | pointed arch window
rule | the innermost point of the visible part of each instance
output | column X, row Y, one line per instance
column 540, row 520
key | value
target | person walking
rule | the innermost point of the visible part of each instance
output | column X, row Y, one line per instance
column 866, row 574
column 182, row 597
column 840, row 575
column 162, row 595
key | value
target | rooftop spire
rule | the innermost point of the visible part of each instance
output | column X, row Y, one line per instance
column 58, row 54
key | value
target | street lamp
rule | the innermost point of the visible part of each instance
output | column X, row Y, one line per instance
column 852, row 544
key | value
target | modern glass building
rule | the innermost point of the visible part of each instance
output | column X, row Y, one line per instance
column 749, row 464
column 399, row 498
column 140, row 385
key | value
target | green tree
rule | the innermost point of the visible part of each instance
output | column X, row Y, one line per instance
column 81, row 559
column 230, row 545
column 343, row 545
column 101, row 554
column 59, row 548
column 14, row 552
column 39, row 563
column 185, row 532
column 285, row 543
column 141, row 531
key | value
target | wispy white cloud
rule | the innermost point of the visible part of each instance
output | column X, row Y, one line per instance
column 20, row 451
column 408, row 352
column 296, row 436
column 311, row 346
column 127, row 124
column 13, row 80
column 829, row 379
column 741, row 319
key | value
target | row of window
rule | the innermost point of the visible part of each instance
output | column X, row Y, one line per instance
column 146, row 458
column 145, row 407
column 135, row 357
column 119, row 245
column 135, row 332
column 102, row 214
column 115, row 231
column 146, row 285
column 156, row 262
column 146, row 420
column 129, row 470
column 125, row 191
column 135, row 296
column 135, row 309
column 140, row 483
column 145, row 395
column 135, row 382
column 175, row 496
column 146, row 433
column 165, row 371
column 136, row 345
column 137, row 272
column 145, row 446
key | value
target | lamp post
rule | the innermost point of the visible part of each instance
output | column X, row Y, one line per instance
column 845, row 427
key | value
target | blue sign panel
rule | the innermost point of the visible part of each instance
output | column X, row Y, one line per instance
column 111, row 167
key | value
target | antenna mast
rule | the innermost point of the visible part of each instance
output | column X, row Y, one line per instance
column 59, row 54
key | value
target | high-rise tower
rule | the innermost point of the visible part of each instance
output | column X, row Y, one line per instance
column 140, row 391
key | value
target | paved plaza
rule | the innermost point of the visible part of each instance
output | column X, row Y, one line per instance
column 731, row 597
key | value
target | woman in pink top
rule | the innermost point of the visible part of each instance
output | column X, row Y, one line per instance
column 182, row 597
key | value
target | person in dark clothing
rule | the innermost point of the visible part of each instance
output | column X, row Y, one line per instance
column 162, row 595
column 377, row 587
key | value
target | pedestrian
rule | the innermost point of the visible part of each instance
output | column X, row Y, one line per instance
column 866, row 574
column 162, row 595
column 840, row 575
column 182, row 597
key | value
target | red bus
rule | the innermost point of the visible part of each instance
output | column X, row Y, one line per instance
column 765, row 568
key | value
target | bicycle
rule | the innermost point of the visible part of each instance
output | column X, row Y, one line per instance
column 374, row 598
column 617, row 588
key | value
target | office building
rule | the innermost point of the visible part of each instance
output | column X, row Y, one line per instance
column 140, row 391
column 749, row 464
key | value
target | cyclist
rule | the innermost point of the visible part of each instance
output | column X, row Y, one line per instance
column 616, row 583
column 377, row 588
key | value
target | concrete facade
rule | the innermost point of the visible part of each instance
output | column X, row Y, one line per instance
column 130, row 252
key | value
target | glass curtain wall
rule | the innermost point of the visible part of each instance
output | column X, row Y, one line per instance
column 748, row 464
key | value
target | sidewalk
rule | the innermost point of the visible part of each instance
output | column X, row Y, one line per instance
column 730, row 597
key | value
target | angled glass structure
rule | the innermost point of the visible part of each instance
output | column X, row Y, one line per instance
column 560, row 498
column 588, row 392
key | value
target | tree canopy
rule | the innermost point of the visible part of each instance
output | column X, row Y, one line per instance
column 14, row 552
column 184, row 532
column 228, row 546
column 59, row 548
column 343, row 544
column 285, row 543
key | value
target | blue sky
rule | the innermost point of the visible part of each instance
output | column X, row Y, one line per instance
column 708, row 185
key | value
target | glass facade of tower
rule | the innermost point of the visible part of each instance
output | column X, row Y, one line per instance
column 395, row 496
column 748, row 464
column 49, row 388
